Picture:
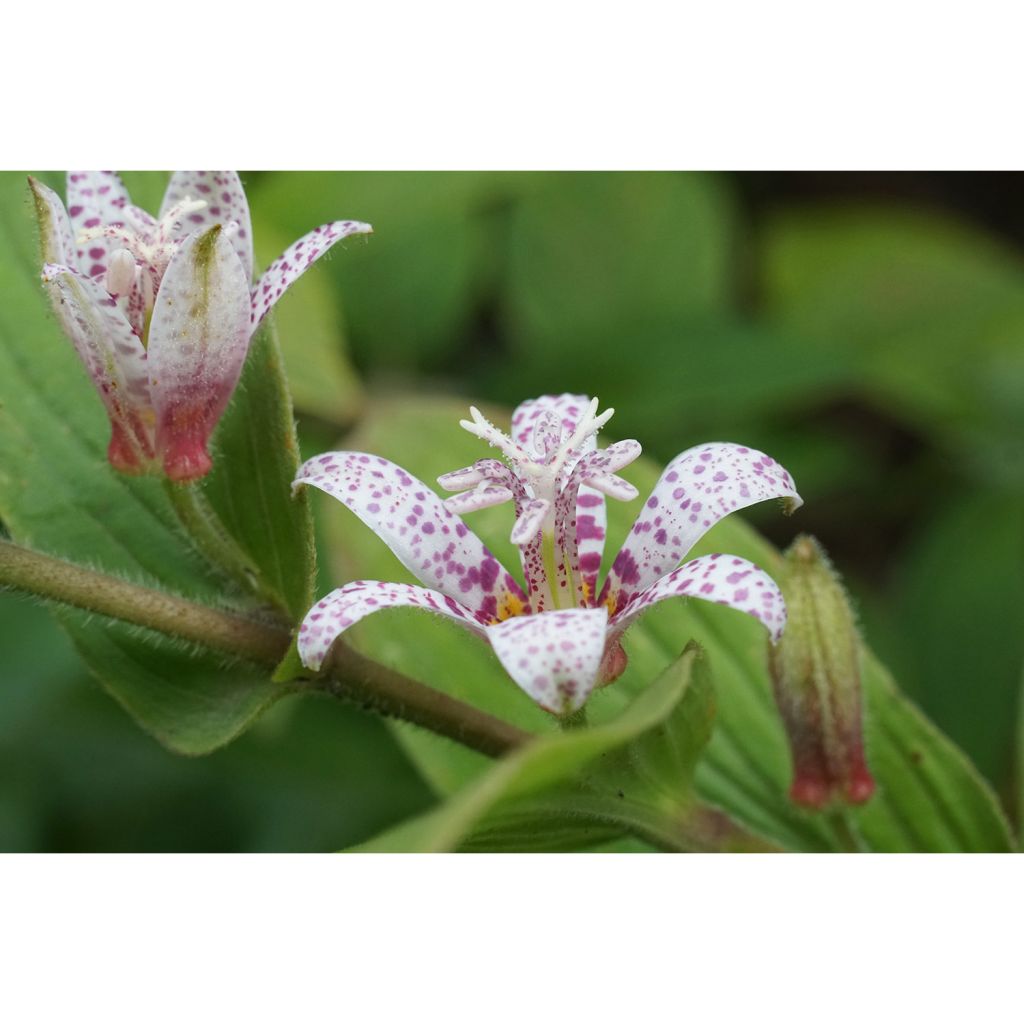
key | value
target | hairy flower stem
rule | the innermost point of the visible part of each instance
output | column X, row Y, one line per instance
column 349, row 675
column 213, row 542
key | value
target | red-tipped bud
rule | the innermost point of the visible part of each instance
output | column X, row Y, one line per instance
column 815, row 671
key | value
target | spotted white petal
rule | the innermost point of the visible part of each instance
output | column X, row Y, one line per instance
column 198, row 339
column 723, row 579
column 224, row 196
column 96, row 199
column 697, row 489
column 296, row 260
column 341, row 608
column 553, row 656
column 429, row 540
column 113, row 357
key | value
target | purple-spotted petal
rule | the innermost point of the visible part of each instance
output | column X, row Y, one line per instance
column 553, row 656
column 697, row 489
column 55, row 231
column 113, row 357
column 341, row 608
column 429, row 540
column 225, row 204
column 724, row 579
column 198, row 339
column 295, row 260
column 96, row 199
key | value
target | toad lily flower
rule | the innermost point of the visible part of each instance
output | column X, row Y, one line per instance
column 161, row 310
column 555, row 638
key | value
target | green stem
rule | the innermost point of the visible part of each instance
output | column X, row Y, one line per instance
column 846, row 832
column 349, row 675
column 574, row 720
column 214, row 543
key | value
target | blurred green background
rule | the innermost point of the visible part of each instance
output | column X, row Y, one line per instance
column 865, row 330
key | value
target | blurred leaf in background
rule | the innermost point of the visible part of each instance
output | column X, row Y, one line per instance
column 77, row 774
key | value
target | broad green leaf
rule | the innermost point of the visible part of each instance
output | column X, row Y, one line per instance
column 962, row 640
column 256, row 457
column 309, row 328
column 544, row 762
column 664, row 759
column 930, row 797
column 599, row 255
column 79, row 775
column 58, row 494
column 192, row 701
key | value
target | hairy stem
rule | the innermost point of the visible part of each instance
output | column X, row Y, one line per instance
column 349, row 675
column 58, row 580
column 352, row 676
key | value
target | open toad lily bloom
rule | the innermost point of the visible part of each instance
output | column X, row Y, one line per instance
column 161, row 310
column 554, row 637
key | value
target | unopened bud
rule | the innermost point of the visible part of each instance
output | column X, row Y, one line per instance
column 120, row 272
column 815, row 671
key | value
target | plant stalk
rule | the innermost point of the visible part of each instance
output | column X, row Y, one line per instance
column 349, row 675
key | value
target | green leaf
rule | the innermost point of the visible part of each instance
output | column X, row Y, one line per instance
column 1018, row 781
column 598, row 255
column 963, row 643
column 256, row 457
column 746, row 768
column 664, row 759
column 59, row 494
column 929, row 310
column 408, row 290
column 192, row 701
column 544, row 762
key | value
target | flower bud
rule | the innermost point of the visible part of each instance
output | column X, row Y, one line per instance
column 815, row 671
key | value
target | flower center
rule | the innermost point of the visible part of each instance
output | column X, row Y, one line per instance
column 543, row 479
column 542, row 469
